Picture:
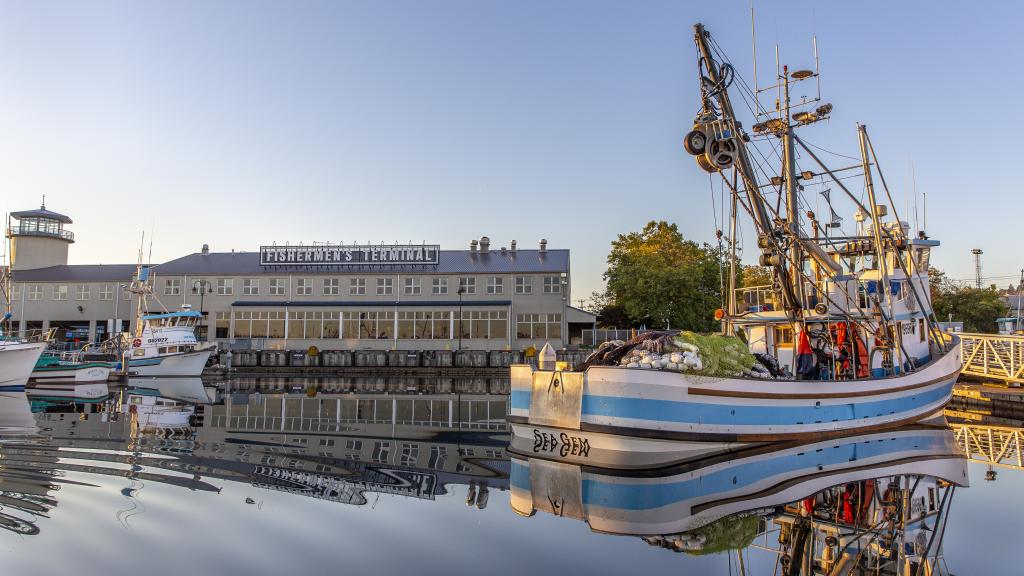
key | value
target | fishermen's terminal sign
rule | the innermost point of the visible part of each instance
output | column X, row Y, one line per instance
column 366, row 255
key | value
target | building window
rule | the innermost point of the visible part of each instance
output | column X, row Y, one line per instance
column 495, row 285
column 368, row 325
column 467, row 285
column 482, row 324
column 538, row 326
column 225, row 286
column 82, row 292
column 259, row 324
column 223, row 324
column 439, row 286
column 60, row 292
column 332, row 286
column 552, row 285
column 277, row 287
column 381, row 452
column 16, row 293
column 385, row 286
column 304, row 286
column 524, row 285
column 106, row 292
column 412, row 285
column 250, row 286
column 126, row 294
column 357, row 286
column 35, row 292
column 424, row 325
column 172, row 287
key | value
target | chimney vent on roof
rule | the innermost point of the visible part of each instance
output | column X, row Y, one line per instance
column 472, row 245
column 485, row 244
column 543, row 245
column 513, row 246
column 206, row 249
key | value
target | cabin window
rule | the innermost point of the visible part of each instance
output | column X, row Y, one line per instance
column 162, row 350
column 920, row 329
column 139, row 352
column 783, row 336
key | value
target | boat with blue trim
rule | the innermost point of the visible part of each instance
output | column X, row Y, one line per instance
column 165, row 345
column 18, row 356
column 847, row 321
column 65, row 367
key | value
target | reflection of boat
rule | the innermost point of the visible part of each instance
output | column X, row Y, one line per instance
column 847, row 315
column 67, row 392
column 151, row 412
column 15, row 416
column 184, row 389
column 673, row 507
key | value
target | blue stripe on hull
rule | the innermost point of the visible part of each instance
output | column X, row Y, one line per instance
column 13, row 388
column 740, row 415
column 649, row 495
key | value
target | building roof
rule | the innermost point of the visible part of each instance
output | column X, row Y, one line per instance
column 248, row 264
column 450, row 262
column 41, row 213
column 78, row 273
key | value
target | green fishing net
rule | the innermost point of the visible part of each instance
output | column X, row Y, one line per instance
column 721, row 355
column 729, row 533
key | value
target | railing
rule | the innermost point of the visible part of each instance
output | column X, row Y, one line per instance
column 755, row 299
column 33, row 231
column 997, row 356
column 992, row 445
column 595, row 337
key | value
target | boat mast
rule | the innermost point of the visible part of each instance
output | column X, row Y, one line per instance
column 881, row 260
column 766, row 231
column 792, row 201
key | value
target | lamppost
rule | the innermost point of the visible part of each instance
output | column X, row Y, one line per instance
column 461, row 291
column 202, row 287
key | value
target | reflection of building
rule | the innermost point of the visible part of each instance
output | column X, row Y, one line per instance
column 416, row 297
column 337, row 447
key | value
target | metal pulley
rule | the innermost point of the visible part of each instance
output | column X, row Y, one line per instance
column 720, row 153
column 696, row 141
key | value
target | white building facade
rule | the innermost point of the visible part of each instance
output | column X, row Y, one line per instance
column 377, row 297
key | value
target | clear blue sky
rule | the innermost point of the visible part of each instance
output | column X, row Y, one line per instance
column 242, row 123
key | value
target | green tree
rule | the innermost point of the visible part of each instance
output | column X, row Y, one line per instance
column 977, row 308
column 659, row 279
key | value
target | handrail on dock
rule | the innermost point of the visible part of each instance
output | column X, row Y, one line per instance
column 996, row 356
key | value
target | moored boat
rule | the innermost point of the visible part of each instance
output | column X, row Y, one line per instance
column 52, row 368
column 847, row 320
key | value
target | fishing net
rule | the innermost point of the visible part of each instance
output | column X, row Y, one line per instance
column 704, row 354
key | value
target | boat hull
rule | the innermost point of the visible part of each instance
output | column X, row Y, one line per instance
column 16, row 363
column 183, row 364
column 81, row 373
column 644, row 405
column 87, row 392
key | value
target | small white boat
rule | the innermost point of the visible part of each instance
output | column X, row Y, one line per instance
column 17, row 359
column 167, row 346
column 69, row 368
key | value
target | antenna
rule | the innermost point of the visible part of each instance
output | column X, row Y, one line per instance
column 753, row 45
column 977, row 267
column 817, row 65
column 913, row 180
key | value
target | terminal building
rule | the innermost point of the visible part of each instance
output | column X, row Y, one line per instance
column 334, row 297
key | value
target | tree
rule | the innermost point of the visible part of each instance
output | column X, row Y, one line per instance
column 977, row 308
column 660, row 279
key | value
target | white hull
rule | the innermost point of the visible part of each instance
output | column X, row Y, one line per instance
column 618, row 410
column 68, row 391
column 186, row 364
column 72, row 374
column 16, row 363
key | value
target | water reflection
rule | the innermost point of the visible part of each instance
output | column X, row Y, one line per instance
column 867, row 501
column 874, row 503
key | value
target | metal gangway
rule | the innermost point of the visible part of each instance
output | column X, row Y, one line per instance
column 993, row 356
column 991, row 445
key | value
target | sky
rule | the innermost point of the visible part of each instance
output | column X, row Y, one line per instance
column 239, row 124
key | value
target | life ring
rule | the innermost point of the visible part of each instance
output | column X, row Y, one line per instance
column 137, row 343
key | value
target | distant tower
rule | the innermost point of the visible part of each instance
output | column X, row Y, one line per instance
column 977, row 266
column 38, row 239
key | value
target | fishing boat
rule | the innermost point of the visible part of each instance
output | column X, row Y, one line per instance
column 848, row 317
column 18, row 356
column 868, row 500
column 162, row 343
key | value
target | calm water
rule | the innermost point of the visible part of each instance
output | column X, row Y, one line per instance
column 392, row 476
